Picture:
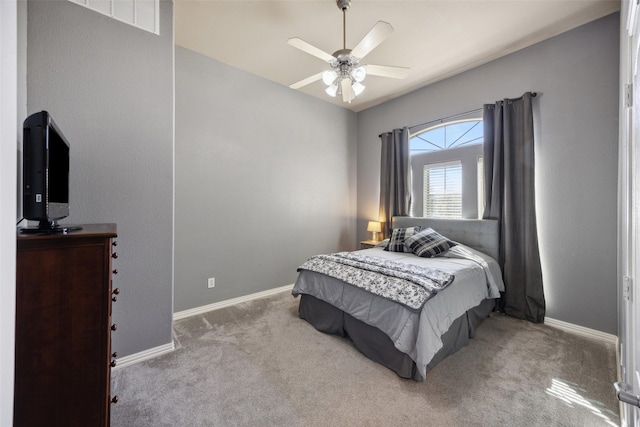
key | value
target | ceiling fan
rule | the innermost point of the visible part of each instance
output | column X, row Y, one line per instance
column 346, row 74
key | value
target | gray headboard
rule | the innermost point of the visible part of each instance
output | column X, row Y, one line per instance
column 480, row 234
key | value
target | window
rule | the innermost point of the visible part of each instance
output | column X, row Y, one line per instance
column 443, row 190
column 447, row 136
column 449, row 158
column 144, row 14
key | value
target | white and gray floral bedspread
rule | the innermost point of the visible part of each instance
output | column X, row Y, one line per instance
column 406, row 284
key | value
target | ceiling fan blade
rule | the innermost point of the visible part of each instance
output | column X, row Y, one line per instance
column 306, row 81
column 347, row 90
column 387, row 71
column 374, row 37
column 311, row 50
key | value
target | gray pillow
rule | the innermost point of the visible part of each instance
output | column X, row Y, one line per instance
column 428, row 243
column 398, row 236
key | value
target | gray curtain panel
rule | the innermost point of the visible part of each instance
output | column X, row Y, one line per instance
column 510, row 198
column 395, row 177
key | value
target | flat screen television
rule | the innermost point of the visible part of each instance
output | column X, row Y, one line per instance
column 45, row 189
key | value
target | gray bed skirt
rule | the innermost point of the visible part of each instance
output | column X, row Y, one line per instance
column 377, row 346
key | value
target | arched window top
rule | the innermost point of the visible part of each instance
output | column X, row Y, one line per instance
column 461, row 133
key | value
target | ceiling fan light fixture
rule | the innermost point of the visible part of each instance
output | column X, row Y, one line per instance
column 328, row 77
column 359, row 73
column 346, row 74
column 357, row 88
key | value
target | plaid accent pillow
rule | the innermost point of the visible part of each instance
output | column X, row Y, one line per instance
column 398, row 236
column 428, row 243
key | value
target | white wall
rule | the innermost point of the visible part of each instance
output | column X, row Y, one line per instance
column 265, row 178
column 8, row 182
column 576, row 121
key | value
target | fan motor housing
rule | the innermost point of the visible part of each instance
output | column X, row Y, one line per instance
column 343, row 4
column 343, row 56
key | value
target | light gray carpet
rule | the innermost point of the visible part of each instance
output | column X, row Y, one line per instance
column 259, row 364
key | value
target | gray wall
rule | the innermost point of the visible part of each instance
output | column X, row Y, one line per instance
column 576, row 120
column 265, row 178
column 109, row 86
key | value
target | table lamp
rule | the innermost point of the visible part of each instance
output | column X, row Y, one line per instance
column 375, row 228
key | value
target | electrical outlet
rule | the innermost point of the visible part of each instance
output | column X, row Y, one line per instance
column 211, row 282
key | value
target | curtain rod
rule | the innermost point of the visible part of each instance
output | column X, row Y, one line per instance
column 533, row 94
column 445, row 118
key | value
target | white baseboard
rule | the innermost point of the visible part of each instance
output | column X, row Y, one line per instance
column 227, row 303
column 581, row 330
column 144, row 355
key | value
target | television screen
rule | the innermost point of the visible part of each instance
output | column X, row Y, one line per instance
column 45, row 172
column 57, row 175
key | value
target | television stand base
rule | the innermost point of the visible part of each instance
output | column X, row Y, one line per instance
column 58, row 229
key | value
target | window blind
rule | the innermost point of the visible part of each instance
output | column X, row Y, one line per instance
column 443, row 190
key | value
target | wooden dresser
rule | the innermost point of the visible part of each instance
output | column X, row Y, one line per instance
column 63, row 354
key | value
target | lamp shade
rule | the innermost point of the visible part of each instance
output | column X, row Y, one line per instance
column 328, row 77
column 357, row 88
column 359, row 74
column 374, row 226
column 332, row 90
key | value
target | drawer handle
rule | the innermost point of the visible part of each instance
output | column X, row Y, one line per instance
column 115, row 354
column 114, row 399
column 116, row 291
column 114, row 327
column 115, row 271
column 114, row 298
column 114, row 243
column 114, row 255
column 113, row 363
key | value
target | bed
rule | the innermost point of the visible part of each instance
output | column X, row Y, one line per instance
column 410, row 340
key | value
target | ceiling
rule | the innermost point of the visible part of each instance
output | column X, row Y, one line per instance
column 436, row 39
